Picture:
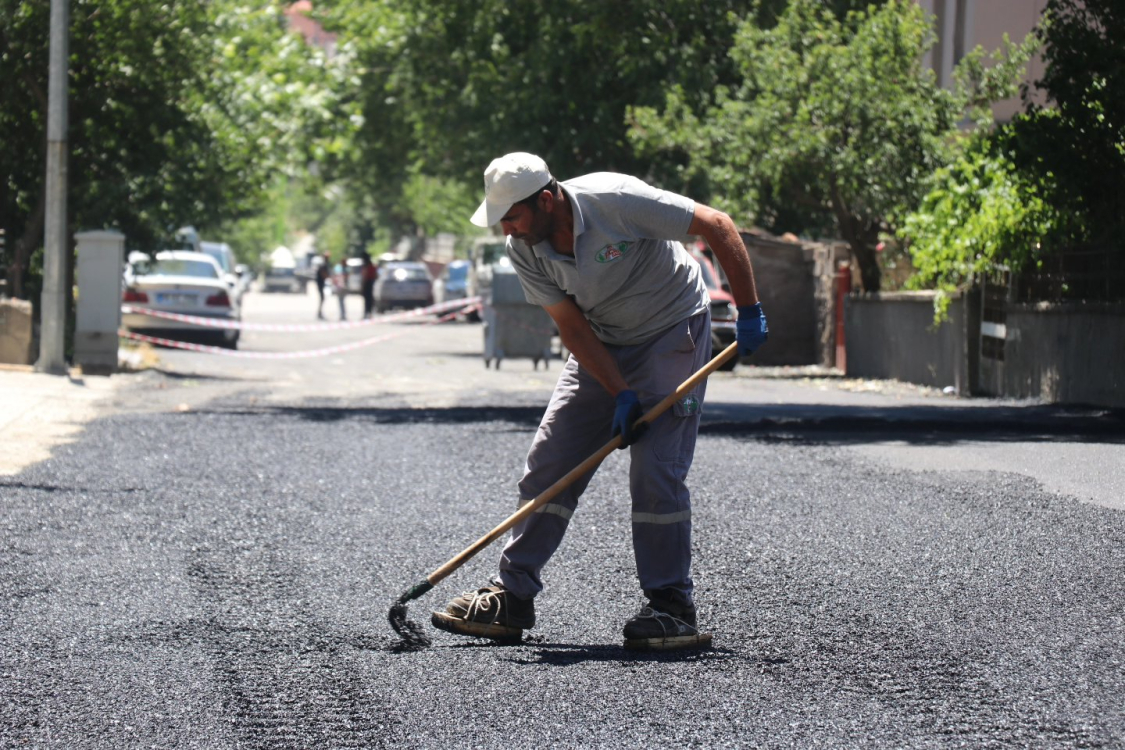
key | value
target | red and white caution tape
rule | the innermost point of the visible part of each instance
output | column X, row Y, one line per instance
column 277, row 355
column 291, row 327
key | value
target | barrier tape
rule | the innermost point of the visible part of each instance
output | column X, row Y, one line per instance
column 457, row 304
column 277, row 355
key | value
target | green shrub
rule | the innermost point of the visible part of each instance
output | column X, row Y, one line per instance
column 980, row 213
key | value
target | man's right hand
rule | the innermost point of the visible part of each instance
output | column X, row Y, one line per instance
column 751, row 330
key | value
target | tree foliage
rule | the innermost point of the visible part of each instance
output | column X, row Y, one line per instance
column 1052, row 178
column 836, row 124
column 179, row 113
column 446, row 87
column 980, row 212
column 1078, row 139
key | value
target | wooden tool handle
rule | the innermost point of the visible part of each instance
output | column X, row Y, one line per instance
column 588, row 465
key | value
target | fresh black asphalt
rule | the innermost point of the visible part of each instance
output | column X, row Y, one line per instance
column 220, row 578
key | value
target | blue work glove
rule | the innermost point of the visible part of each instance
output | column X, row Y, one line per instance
column 750, row 329
column 627, row 412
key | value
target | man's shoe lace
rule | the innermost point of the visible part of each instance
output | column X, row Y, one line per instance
column 670, row 625
column 483, row 602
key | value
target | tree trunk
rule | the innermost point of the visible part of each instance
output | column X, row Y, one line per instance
column 863, row 250
column 21, row 251
column 861, row 234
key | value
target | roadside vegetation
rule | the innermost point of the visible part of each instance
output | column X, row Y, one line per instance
column 812, row 117
column 1049, row 182
column 179, row 113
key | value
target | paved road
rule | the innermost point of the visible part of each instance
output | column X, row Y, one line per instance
column 210, row 563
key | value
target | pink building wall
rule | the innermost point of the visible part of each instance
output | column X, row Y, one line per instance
column 961, row 25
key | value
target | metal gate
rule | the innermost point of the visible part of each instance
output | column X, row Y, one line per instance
column 996, row 293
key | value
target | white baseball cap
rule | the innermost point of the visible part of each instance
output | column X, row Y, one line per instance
column 508, row 180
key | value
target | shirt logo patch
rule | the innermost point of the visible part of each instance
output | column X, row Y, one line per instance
column 610, row 253
column 690, row 403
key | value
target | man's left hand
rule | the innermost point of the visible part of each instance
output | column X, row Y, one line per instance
column 627, row 411
column 750, row 329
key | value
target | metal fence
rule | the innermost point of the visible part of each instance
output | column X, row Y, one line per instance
column 1078, row 274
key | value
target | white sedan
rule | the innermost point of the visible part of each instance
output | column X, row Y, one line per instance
column 183, row 283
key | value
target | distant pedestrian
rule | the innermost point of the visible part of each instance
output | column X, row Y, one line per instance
column 340, row 286
column 369, row 274
column 323, row 270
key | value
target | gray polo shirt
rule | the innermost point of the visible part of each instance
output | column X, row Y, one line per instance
column 630, row 275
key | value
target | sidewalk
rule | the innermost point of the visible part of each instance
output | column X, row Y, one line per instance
column 39, row 412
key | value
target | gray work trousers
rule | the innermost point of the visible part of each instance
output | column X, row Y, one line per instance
column 577, row 423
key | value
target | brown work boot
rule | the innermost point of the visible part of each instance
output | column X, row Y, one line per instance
column 653, row 629
column 490, row 612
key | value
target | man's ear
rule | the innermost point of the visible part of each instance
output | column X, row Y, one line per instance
column 546, row 200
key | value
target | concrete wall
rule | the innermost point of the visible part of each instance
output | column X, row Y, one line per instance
column 1065, row 353
column 892, row 335
column 1060, row 353
column 784, row 274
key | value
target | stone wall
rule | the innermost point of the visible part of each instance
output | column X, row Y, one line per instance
column 795, row 284
column 17, row 334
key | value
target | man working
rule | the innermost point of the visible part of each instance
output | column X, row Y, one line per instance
column 601, row 254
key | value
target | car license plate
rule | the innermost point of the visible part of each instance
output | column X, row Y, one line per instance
column 174, row 298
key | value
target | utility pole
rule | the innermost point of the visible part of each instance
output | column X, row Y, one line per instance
column 52, row 331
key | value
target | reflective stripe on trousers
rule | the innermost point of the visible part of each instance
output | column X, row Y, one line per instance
column 577, row 423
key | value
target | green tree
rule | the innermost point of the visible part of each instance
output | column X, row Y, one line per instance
column 1078, row 139
column 980, row 212
column 179, row 113
column 836, row 124
column 448, row 86
column 1051, row 179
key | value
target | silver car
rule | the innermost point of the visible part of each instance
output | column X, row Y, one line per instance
column 183, row 283
column 403, row 283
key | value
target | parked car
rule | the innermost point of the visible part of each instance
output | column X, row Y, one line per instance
column 280, row 273
column 183, row 282
column 403, row 283
column 232, row 272
column 453, row 283
column 723, row 312
column 280, row 279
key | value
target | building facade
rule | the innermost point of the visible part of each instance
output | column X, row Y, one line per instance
column 962, row 25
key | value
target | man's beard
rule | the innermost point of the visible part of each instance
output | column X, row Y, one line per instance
column 539, row 229
column 529, row 239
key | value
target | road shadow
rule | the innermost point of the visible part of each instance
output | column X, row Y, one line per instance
column 522, row 416
column 201, row 376
column 799, row 423
column 923, row 425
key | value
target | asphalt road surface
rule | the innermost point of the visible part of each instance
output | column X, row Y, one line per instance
column 210, row 565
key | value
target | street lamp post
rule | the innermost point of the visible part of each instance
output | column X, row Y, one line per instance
column 52, row 344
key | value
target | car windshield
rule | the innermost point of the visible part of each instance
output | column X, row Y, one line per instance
column 176, row 267
column 457, row 273
column 408, row 274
